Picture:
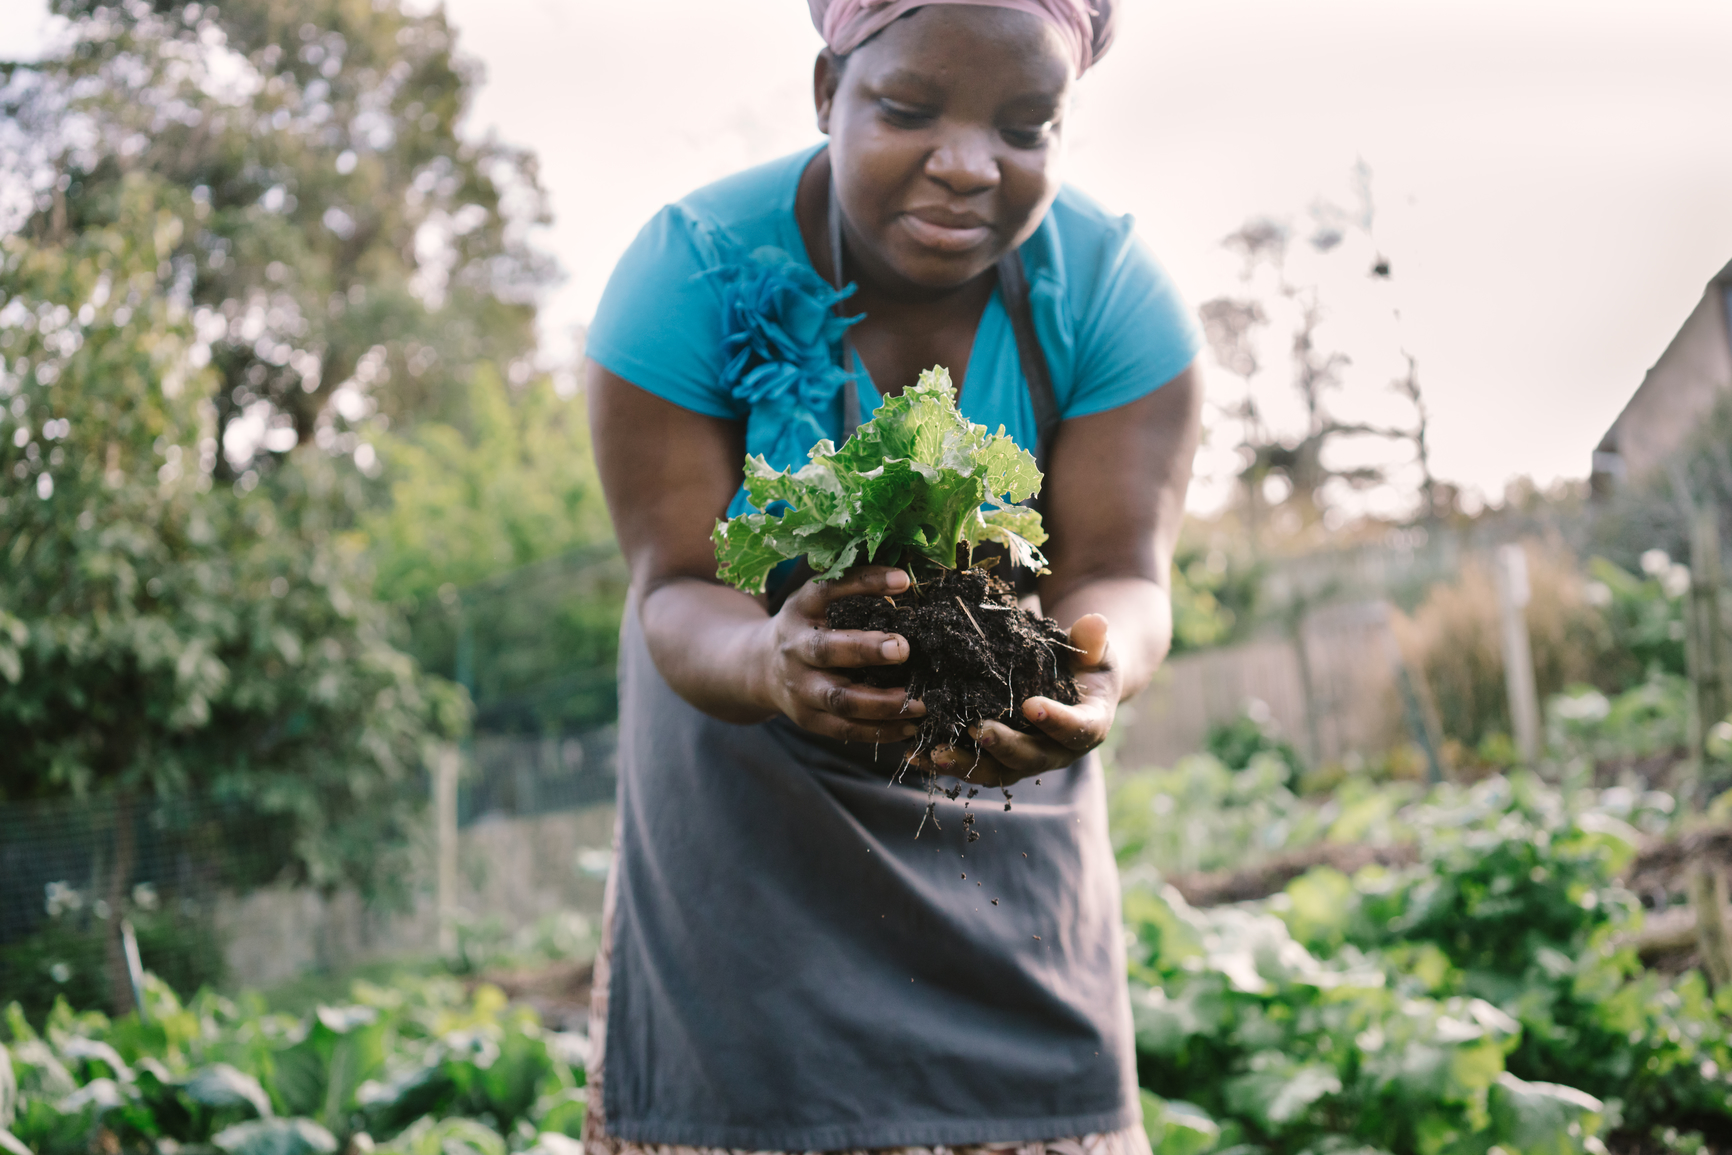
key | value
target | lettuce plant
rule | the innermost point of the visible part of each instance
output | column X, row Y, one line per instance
column 907, row 489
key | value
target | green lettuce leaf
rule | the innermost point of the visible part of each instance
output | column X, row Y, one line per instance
column 907, row 488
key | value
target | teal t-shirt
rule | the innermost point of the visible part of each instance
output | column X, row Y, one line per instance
column 1111, row 323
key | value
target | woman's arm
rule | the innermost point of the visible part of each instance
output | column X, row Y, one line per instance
column 668, row 474
column 1114, row 500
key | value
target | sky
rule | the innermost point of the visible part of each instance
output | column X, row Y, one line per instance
column 1552, row 179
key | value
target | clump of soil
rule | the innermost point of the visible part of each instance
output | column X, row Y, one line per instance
column 974, row 654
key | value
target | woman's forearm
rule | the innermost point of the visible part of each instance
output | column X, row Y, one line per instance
column 1139, row 613
column 706, row 641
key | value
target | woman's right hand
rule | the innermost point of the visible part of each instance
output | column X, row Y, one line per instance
column 800, row 671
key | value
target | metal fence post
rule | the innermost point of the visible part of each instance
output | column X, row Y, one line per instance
column 446, row 763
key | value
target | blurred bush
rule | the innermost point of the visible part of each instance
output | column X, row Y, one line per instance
column 1214, row 595
column 496, row 545
column 67, row 957
column 1238, row 742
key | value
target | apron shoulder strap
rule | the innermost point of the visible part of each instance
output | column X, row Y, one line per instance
column 1013, row 286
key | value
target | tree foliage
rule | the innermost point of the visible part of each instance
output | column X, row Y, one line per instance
column 164, row 635
column 495, row 542
column 345, row 248
column 250, row 263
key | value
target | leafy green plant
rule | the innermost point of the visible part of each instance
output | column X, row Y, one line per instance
column 1650, row 718
column 1487, row 996
column 421, row 1068
column 1645, row 614
column 906, row 488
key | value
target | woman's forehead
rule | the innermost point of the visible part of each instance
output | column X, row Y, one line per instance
column 937, row 46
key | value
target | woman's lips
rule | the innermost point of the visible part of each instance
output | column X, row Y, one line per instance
column 948, row 238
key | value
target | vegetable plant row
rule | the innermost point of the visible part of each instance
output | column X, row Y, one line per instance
column 420, row 1069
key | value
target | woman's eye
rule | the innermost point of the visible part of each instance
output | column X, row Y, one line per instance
column 905, row 117
column 1028, row 137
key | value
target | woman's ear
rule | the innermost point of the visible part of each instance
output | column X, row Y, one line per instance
column 826, row 79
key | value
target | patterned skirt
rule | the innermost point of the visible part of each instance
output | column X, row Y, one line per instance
column 596, row 1140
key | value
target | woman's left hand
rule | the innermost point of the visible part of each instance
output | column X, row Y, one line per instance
column 1062, row 733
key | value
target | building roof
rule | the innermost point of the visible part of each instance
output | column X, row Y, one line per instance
column 1681, row 388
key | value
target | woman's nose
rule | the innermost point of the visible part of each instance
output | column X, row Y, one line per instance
column 964, row 163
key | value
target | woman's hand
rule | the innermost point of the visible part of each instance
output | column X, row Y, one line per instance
column 800, row 667
column 1062, row 734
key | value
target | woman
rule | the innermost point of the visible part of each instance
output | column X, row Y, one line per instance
column 785, row 965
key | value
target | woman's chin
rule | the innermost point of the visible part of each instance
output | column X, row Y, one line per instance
column 938, row 272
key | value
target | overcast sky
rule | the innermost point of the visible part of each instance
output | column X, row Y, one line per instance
column 1553, row 178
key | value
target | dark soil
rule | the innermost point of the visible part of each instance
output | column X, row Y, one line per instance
column 974, row 654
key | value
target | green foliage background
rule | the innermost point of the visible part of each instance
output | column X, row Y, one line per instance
column 269, row 406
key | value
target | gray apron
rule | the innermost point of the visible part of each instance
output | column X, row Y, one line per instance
column 794, row 970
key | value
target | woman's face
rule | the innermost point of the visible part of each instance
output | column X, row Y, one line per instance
column 944, row 140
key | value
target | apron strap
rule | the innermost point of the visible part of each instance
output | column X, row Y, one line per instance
column 1013, row 287
column 850, row 392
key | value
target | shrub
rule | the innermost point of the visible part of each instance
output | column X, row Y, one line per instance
column 1453, row 639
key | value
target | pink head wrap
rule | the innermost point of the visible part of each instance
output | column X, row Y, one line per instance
column 1087, row 27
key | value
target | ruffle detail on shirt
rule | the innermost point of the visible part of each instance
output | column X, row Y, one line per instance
column 779, row 336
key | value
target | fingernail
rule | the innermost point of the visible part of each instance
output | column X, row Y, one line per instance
column 987, row 737
column 1039, row 714
column 896, row 581
column 891, row 649
column 910, row 730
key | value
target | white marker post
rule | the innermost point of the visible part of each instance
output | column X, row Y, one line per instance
column 1513, row 594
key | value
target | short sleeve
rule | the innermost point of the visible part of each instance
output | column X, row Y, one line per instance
column 659, row 323
column 1136, row 332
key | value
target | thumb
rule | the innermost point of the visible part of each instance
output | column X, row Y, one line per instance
column 814, row 596
column 1089, row 634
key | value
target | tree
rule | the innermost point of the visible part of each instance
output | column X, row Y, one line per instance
column 162, row 636
column 496, row 544
column 1303, row 461
column 344, row 243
